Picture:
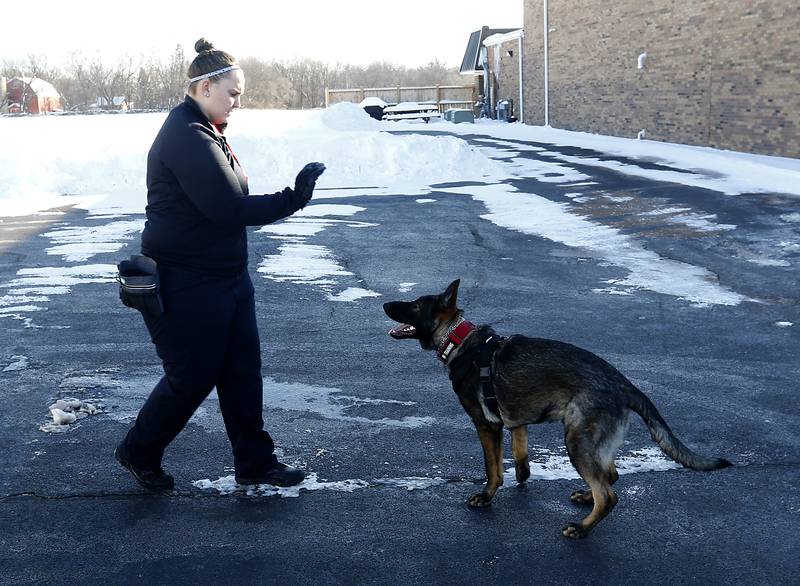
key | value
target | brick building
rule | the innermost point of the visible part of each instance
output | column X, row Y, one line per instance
column 719, row 73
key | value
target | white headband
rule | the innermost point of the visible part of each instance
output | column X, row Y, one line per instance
column 213, row 73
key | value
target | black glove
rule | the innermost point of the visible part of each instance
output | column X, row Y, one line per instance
column 305, row 183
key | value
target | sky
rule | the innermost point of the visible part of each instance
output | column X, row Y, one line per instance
column 410, row 32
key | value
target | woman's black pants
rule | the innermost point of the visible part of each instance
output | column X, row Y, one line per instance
column 207, row 337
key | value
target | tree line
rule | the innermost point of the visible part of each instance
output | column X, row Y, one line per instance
column 148, row 82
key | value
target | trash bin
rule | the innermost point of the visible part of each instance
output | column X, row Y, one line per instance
column 502, row 110
column 374, row 107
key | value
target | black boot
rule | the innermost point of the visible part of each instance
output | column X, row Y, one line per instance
column 279, row 475
column 152, row 479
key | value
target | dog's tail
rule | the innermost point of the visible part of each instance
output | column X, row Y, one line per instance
column 663, row 436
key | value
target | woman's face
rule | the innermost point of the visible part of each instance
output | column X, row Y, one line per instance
column 218, row 99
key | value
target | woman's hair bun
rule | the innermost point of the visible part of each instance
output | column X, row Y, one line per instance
column 203, row 45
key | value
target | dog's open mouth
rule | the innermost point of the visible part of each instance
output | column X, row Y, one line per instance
column 403, row 331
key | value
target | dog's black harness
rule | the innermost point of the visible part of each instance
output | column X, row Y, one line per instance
column 486, row 352
column 480, row 356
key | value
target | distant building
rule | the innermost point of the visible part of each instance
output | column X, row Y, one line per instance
column 31, row 95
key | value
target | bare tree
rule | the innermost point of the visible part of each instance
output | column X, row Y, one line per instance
column 103, row 82
column 159, row 83
column 266, row 86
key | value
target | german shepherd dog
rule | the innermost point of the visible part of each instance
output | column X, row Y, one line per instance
column 532, row 381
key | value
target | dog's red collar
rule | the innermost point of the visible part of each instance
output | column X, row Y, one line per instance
column 454, row 338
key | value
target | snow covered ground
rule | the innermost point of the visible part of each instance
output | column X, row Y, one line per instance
column 98, row 163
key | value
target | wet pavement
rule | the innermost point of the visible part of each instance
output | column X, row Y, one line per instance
column 690, row 292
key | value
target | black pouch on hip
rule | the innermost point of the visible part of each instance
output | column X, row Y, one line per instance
column 139, row 285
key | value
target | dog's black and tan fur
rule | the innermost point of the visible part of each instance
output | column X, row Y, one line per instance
column 537, row 380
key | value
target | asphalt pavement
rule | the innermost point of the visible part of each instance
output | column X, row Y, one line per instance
column 392, row 456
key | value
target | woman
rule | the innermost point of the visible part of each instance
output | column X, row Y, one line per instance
column 197, row 209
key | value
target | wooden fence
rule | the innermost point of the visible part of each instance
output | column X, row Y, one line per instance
column 444, row 96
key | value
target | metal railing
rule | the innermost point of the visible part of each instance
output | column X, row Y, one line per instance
column 444, row 96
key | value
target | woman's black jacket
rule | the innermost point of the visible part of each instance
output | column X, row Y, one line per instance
column 198, row 203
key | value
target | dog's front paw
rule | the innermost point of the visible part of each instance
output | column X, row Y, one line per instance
column 574, row 531
column 479, row 500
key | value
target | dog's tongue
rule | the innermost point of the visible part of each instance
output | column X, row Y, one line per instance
column 402, row 331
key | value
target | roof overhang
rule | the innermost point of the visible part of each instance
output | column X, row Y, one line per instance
column 499, row 39
column 471, row 64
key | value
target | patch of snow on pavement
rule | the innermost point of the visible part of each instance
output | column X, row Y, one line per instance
column 532, row 214
column 310, row 264
column 227, row 485
column 80, row 243
column 411, row 482
column 352, row 294
column 33, row 285
column 551, row 465
column 331, row 404
column 19, row 363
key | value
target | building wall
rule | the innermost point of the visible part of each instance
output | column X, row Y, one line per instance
column 720, row 73
column 505, row 70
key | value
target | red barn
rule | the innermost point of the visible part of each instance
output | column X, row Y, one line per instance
column 32, row 95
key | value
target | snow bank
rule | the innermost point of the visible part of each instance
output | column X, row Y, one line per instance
column 357, row 154
column 99, row 162
column 54, row 161
column 728, row 172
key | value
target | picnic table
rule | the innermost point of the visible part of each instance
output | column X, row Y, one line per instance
column 411, row 110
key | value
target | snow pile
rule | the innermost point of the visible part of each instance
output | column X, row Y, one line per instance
column 346, row 116
column 67, row 411
column 54, row 161
column 357, row 154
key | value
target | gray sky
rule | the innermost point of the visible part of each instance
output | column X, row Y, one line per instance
column 407, row 32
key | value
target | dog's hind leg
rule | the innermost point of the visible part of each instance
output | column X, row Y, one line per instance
column 492, row 442
column 519, row 447
column 607, row 448
column 591, row 447
column 584, row 497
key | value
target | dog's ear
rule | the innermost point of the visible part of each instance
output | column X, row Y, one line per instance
column 449, row 298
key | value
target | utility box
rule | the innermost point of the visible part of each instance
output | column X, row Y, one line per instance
column 457, row 115
column 503, row 112
column 460, row 116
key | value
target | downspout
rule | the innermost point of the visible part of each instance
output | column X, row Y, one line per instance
column 546, row 69
column 521, row 94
